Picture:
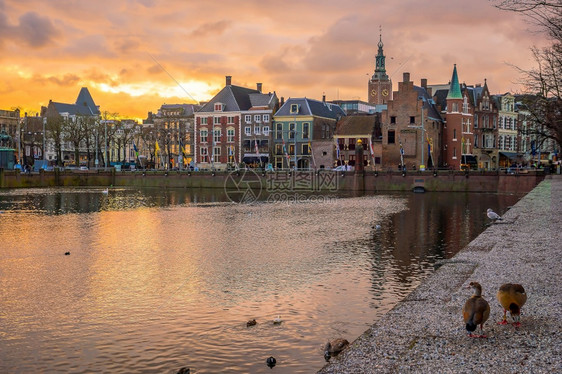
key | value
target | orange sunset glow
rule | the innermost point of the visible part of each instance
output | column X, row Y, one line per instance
column 135, row 56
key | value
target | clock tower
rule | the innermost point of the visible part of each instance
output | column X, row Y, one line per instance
column 380, row 85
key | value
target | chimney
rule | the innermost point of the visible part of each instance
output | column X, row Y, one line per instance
column 406, row 77
column 228, row 80
column 424, row 83
column 324, row 98
column 282, row 101
column 259, row 86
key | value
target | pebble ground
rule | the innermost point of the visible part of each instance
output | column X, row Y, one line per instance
column 425, row 333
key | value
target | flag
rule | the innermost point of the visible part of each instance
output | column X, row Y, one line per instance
column 371, row 147
column 256, row 146
column 136, row 149
column 156, row 149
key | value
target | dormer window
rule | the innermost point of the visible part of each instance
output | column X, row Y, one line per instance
column 294, row 108
column 219, row 107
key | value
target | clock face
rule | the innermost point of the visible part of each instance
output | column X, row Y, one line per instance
column 385, row 92
column 373, row 92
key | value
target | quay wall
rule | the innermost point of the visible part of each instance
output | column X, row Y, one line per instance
column 441, row 181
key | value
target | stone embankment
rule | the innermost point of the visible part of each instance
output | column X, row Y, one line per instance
column 425, row 333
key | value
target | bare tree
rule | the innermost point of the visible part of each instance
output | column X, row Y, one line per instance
column 55, row 128
column 543, row 83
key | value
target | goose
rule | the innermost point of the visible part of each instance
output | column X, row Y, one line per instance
column 334, row 347
column 476, row 311
column 106, row 191
column 277, row 320
column 67, row 253
column 511, row 297
column 493, row 215
column 251, row 322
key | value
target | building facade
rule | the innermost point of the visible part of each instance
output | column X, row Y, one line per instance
column 411, row 128
column 234, row 127
column 303, row 134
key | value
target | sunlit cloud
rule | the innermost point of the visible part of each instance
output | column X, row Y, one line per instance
column 131, row 54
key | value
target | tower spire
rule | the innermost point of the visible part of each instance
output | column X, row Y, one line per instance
column 455, row 88
column 380, row 65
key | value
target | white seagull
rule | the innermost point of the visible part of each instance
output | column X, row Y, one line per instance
column 493, row 215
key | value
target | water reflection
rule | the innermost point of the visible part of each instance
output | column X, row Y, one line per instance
column 161, row 279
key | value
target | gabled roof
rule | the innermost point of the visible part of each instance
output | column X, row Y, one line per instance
column 356, row 125
column 310, row 107
column 428, row 104
column 188, row 109
column 84, row 105
column 455, row 88
column 236, row 98
column 440, row 98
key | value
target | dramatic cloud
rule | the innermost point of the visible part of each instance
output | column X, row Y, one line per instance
column 134, row 55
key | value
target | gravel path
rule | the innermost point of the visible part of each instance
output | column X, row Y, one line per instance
column 425, row 333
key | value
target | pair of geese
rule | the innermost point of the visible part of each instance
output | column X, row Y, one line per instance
column 476, row 310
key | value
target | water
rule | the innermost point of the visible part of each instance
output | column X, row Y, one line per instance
column 158, row 280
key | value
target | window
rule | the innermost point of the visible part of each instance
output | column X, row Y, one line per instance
column 454, row 153
column 305, row 130
column 412, row 119
column 393, row 119
column 305, row 149
column 230, row 120
column 266, row 118
column 465, row 105
column 230, row 135
column 391, row 137
column 230, row 153
column 218, row 107
column 455, row 107
column 248, row 130
column 216, row 120
column 294, row 108
column 279, row 131
column 266, row 130
column 248, row 118
column 292, row 130
column 204, row 134
column 475, row 142
column 204, row 154
column 257, row 118
column 454, row 134
column 204, row 120
column 476, row 121
column 217, row 135
column 257, row 130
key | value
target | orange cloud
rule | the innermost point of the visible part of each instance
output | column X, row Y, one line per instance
column 136, row 55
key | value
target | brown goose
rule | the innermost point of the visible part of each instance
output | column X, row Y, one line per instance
column 476, row 311
column 512, row 297
column 334, row 347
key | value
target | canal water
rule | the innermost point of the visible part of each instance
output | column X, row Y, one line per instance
column 157, row 280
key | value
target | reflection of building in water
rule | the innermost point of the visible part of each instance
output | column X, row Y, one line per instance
column 435, row 226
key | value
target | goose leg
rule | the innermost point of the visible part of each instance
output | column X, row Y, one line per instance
column 504, row 320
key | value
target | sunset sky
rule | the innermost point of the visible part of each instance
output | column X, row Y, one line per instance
column 119, row 49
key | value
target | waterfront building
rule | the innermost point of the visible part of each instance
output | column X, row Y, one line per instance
column 9, row 127
column 303, row 134
column 507, row 130
column 349, row 129
column 411, row 128
column 234, row 127
column 485, row 127
column 68, row 142
column 173, row 126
